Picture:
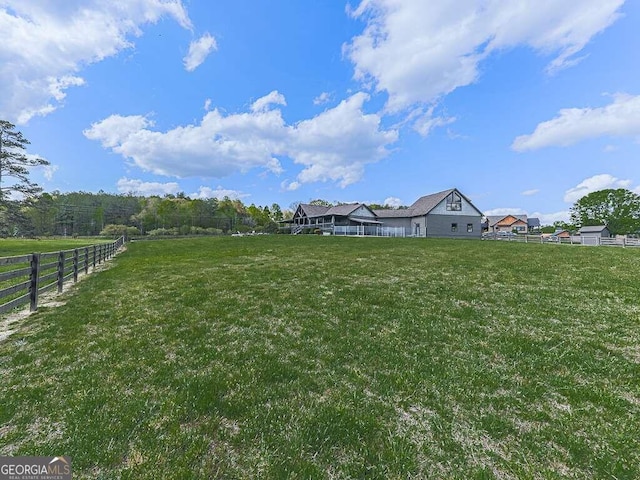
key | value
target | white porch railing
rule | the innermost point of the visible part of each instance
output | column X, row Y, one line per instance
column 373, row 231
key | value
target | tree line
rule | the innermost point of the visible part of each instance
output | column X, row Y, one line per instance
column 83, row 213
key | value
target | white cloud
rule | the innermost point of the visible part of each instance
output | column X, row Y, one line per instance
column 290, row 186
column 528, row 193
column 335, row 145
column 139, row 187
column 339, row 142
column 321, row 99
column 219, row 146
column 113, row 129
column 199, row 50
column 427, row 122
column 392, row 202
column 45, row 44
column 572, row 125
column 551, row 218
column 219, row 193
column 593, row 184
column 504, row 211
column 207, row 104
column 262, row 104
column 49, row 171
column 418, row 51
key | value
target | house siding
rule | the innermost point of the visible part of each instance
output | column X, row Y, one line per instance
column 397, row 222
column 440, row 225
column 363, row 212
column 418, row 226
column 467, row 210
column 439, row 220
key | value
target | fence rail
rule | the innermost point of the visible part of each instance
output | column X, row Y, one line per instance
column 572, row 240
column 37, row 273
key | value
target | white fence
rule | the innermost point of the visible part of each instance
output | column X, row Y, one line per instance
column 573, row 240
column 374, row 231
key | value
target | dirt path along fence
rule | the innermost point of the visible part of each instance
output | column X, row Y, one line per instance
column 23, row 278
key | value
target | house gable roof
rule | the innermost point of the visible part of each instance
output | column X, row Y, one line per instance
column 510, row 219
column 593, row 229
column 423, row 206
column 312, row 211
column 393, row 213
column 347, row 209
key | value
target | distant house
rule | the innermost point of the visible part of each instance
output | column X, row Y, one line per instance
column 444, row 214
column 595, row 231
column 592, row 235
column 533, row 224
column 325, row 218
column 511, row 223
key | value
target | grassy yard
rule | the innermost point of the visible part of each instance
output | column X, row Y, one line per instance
column 322, row 357
column 10, row 247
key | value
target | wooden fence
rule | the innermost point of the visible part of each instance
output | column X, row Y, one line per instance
column 36, row 273
column 573, row 240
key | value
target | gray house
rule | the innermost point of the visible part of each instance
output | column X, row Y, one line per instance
column 443, row 214
column 592, row 235
column 595, row 231
column 326, row 218
column 511, row 223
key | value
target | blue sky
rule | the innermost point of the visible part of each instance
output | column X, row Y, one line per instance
column 523, row 106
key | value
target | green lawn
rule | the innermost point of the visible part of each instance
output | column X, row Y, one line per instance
column 323, row 357
column 10, row 247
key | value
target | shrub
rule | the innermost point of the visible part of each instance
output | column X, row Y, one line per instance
column 159, row 232
column 114, row 230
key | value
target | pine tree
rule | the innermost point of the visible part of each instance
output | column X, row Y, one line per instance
column 15, row 164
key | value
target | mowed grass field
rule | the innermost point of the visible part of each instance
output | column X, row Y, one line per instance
column 322, row 357
column 10, row 247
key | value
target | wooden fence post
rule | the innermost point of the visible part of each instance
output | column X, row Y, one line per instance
column 60, row 271
column 86, row 260
column 94, row 256
column 75, row 265
column 34, row 283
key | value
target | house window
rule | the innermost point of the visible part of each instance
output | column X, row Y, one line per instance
column 454, row 227
column 469, row 227
column 454, row 202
